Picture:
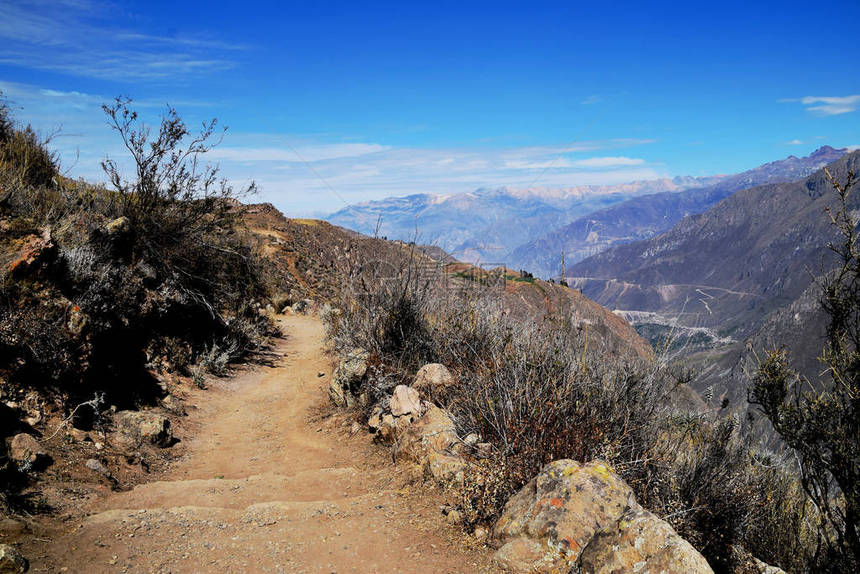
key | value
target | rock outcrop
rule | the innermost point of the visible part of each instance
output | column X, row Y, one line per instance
column 584, row 515
column 348, row 377
column 551, row 519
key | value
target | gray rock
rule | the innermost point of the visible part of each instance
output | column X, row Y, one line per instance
column 96, row 466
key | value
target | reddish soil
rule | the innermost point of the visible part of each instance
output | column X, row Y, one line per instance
column 270, row 481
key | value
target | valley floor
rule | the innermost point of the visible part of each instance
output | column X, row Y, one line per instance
column 269, row 484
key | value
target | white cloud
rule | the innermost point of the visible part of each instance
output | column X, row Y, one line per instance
column 829, row 105
column 794, row 142
column 595, row 99
column 355, row 170
column 300, row 153
column 608, row 162
column 556, row 163
column 62, row 37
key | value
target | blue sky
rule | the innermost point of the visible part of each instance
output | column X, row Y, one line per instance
column 333, row 102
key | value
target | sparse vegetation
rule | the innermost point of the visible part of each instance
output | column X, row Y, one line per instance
column 538, row 394
column 99, row 286
column 822, row 423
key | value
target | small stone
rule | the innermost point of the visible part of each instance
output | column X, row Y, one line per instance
column 137, row 427
column 454, row 517
column 375, row 419
column 11, row 561
column 26, row 450
column 387, row 429
column 79, row 435
column 433, row 380
column 118, row 226
column 405, row 401
column 445, row 468
column 320, row 374
column 96, row 466
column 11, row 527
column 480, row 533
column 348, row 378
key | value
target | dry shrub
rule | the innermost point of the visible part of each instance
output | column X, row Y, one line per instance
column 176, row 277
column 537, row 393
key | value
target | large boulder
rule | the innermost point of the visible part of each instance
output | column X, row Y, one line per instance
column 545, row 526
column 432, row 432
column 433, row 380
column 405, row 401
column 11, row 561
column 348, row 377
column 136, row 428
column 27, row 452
column 641, row 542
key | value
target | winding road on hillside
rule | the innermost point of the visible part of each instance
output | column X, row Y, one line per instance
column 269, row 484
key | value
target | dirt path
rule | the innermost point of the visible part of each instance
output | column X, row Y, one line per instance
column 268, row 485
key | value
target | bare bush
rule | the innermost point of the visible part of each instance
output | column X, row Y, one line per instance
column 537, row 393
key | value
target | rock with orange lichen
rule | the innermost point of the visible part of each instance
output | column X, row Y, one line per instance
column 584, row 517
column 641, row 542
column 546, row 525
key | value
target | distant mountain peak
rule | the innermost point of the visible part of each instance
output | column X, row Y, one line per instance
column 826, row 150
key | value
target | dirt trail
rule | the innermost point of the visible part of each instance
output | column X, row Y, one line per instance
column 268, row 486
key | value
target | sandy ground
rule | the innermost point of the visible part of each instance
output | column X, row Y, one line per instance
column 270, row 483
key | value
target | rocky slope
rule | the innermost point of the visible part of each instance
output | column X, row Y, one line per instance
column 315, row 259
column 645, row 216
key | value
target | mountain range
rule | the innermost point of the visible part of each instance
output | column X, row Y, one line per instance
column 531, row 228
column 484, row 226
column 733, row 282
column 648, row 215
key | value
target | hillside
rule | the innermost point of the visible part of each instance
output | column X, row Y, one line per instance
column 486, row 224
column 315, row 259
column 646, row 216
column 726, row 268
